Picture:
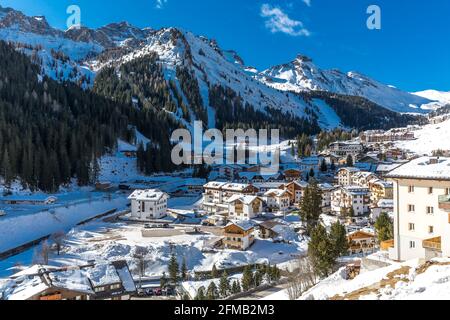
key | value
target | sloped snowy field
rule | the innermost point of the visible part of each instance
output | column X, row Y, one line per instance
column 406, row 281
column 430, row 138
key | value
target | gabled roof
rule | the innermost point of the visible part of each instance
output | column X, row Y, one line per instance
column 277, row 193
column 235, row 186
column 244, row 225
column 214, row 185
column 243, row 199
column 148, row 195
column 423, row 168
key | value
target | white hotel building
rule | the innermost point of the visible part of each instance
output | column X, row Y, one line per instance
column 421, row 209
column 148, row 204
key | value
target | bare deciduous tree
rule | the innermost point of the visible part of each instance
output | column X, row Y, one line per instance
column 58, row 240
column 301, row 279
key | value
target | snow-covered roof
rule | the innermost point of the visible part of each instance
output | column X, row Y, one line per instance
column 385, row 203
column 214, row 185
column 31, row 197
column 350, row 169
column 388, row 167
column 243, row 199
column 424, row 168
column 301, row 183
column 244, row 225
column 148, row 195
column 103, row 274
column 269, row 185
column 277, row 193
column 235, row 186
column 125, row 275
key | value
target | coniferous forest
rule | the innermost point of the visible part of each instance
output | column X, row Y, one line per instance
column 52, row 132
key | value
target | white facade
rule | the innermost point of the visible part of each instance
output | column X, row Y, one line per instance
column 217, row 194
column 421, row 209
column 278, row 199
column 148, row 204
column 344, row 176
column 244, row 207
column 345, row 198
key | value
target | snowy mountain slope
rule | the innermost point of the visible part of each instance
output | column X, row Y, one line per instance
column 439, row 98
column 410, row 280
column 429, row 138
column 79, row 54
column 211, row 66
column 303, row 75
column 434, row 95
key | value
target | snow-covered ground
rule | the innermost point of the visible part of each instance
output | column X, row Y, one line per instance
column 411, row 280
column 430, row 138
column 102, row 242
column 16, row 230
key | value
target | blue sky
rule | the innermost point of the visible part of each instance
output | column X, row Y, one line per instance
column 411, row 51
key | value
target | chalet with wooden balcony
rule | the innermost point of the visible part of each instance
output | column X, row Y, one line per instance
column 238, row 235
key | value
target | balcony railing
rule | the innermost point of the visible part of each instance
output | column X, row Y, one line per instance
column 444, row 203
column 433, row 244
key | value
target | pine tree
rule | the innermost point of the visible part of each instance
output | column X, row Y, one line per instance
column 236, row 287
column 384, row 227
column 321, row 251
column 338, row 237
column 323, row 166
column 173, row 269
column 224, row 285
column 310, row 206
column 184, row 270
column 212, row 293
column 200, row 294
column 6, row 168
column 247, row 278
column 214, row 272
column 333, row 165
column 349, row 161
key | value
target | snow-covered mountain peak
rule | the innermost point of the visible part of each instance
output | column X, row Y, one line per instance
column 303, row 75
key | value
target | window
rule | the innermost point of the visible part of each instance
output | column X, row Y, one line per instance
column 411, row 189
column 412, row 244
column 115, row 286
column 99, row 289
column 430, row 190
column 411, row 227
column 411, row 208
column 447, row 191
column 430, row 229
column 430, row 210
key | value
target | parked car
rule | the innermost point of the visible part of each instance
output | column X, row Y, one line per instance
column 157, row 292
column 149, row 292
column 140, row 292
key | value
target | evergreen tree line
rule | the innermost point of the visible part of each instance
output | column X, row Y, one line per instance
column 250, row 279
column 362, row 114
column 142, row 87
column 233, row 113
column 52, row 132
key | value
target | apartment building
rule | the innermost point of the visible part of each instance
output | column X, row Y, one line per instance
column 244, row 207
column 380, row 190
column 343, row 199
column 421, row 209
column 148, row 204
column 346, row 148
column 344, row 176
column 217, row 194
